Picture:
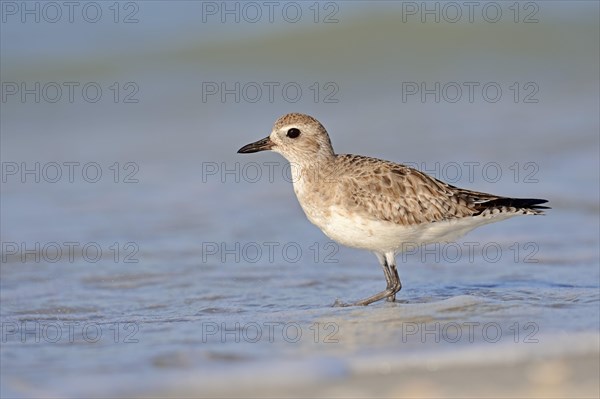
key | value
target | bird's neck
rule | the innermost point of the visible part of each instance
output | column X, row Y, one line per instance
column 318, row 171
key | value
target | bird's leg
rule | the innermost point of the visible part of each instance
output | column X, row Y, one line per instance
column 396, row 285
column 392, row 280
column 388, row 276
column 388, row 262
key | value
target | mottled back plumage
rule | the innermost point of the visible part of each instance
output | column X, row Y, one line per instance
column 406, row 196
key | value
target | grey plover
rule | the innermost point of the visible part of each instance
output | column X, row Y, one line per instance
column 377, row 205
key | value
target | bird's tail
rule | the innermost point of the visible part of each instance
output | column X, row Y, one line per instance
column 527, row 206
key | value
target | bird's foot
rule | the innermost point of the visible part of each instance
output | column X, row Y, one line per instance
column 389, row 295
column 340, row 304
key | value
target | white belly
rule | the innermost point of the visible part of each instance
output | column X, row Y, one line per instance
column 382, row 236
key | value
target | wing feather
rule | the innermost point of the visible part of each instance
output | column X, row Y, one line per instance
column 403, row 195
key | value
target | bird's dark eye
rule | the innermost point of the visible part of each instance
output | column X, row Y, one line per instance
column 293, row 133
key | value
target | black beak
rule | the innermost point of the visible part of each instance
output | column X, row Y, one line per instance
column 260, row 145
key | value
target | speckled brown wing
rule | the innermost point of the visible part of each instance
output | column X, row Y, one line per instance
column 403, row 195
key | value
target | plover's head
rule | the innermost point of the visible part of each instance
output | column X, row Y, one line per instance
column 299, row 138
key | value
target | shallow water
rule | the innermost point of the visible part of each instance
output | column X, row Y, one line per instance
column 210, row 273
